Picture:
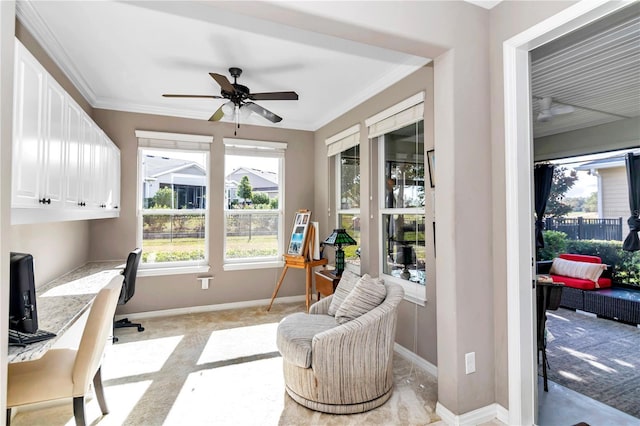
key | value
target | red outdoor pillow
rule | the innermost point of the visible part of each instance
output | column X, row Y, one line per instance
column 580, row 258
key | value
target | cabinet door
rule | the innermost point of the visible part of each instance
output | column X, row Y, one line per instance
column 87, row 166
column 27, row 130
column 54, row 142
column 113, row 177
column 73, row 155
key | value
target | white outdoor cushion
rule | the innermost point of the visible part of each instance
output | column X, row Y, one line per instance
column 582, row 270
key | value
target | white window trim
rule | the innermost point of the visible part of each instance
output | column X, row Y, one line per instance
column 172, row 142
column 413, row 292
column 257, row 148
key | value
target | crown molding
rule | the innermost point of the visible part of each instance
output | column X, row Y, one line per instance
column 384, row 82
column 33, row 22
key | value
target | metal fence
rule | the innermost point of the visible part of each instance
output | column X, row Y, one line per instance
column 587, row 229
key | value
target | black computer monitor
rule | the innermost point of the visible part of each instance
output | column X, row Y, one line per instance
column 22, row 294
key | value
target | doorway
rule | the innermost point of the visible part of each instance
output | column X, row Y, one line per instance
column 518, row 171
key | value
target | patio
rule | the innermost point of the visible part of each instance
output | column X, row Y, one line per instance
column 596, row 357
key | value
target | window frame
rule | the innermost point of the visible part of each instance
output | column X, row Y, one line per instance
column 414, row 292
column 181, row 145
column 256, row 148
column 353, row 267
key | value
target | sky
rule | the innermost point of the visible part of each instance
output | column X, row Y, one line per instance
column 586, row 183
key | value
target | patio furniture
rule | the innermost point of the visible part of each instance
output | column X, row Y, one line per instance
column 548, row 296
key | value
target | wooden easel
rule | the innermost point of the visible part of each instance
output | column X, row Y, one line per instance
column 305, row 261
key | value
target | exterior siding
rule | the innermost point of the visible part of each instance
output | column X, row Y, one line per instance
column 615, row 192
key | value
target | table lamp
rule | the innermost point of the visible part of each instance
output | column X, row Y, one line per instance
column 406, row 256
column 339, row 238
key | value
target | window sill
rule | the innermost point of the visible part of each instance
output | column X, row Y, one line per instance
column 173, row 270
column 414, row 293
column 252, row 265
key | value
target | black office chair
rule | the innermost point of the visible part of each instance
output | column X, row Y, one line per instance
column 128, row 289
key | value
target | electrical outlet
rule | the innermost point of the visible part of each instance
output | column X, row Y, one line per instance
column 470, row 362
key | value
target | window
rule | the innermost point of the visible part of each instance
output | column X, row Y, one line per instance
column 399, row 133
column 345, row 148
column 253, row 204
column 402, row 214
column 348, row 200
column 173, row 191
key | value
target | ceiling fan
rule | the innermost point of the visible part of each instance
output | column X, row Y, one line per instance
column 240, row 99
column 549, row 109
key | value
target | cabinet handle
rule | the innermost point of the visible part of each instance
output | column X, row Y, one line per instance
column 82, row 204
column 115, row 207
column 45, row 201
column 48, row 201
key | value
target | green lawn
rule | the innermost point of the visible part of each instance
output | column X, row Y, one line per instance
column 164, row 250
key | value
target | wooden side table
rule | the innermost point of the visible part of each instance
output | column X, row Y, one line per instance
column 326, row 282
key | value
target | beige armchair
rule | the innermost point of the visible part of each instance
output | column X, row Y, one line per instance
column 349, row 367
column 63, row 373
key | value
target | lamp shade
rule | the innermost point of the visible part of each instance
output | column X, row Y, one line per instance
column 339, row 237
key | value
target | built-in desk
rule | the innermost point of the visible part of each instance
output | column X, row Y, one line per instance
column 62, row 301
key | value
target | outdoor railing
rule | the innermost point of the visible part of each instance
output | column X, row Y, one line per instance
column 587, row 229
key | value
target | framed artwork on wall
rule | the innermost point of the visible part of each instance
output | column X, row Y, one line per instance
column 299, row 233
column 431, row 159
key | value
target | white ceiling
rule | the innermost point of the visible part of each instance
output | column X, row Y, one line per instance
column 124, row 56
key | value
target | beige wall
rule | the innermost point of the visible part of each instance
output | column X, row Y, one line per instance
column 507, row 20
column 57, row 247
column 409, row 313
column 114, row 238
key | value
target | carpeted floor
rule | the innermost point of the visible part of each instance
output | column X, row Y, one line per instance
column 596, row 357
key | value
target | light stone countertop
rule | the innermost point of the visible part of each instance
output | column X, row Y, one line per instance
column 62, row 301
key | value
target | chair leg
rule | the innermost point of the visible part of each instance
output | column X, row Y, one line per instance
column 99, row 390
column 78, row 410
column 8, row 416
column 126, row 323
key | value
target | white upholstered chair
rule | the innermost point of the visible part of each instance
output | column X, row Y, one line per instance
column 63, row 373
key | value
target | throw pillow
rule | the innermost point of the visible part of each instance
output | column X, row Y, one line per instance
column 582, row 270
column 346, row 284
column 366, row 295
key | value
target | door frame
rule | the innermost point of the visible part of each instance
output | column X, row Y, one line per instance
column 522, row 353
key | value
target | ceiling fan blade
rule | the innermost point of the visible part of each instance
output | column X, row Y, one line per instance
column 223, row 82
column 274, row 96
column 263, row 112
column 217, row 115
column 171, row 95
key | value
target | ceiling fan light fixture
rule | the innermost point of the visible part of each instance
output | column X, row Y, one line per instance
column 245, row 112
column 228, row 108
column 544, row 116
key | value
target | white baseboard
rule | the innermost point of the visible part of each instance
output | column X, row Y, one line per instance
column 210, row 308
column 417, row 360
column 475, row 417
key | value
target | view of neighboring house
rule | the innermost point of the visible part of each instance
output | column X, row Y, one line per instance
column 613, row 190
column 184, row 177
column 260, row 180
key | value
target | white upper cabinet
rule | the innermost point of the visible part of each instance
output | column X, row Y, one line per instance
column 64, row 166
column 28, row 129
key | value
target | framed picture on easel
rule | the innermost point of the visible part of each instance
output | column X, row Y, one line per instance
column 299, row 233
